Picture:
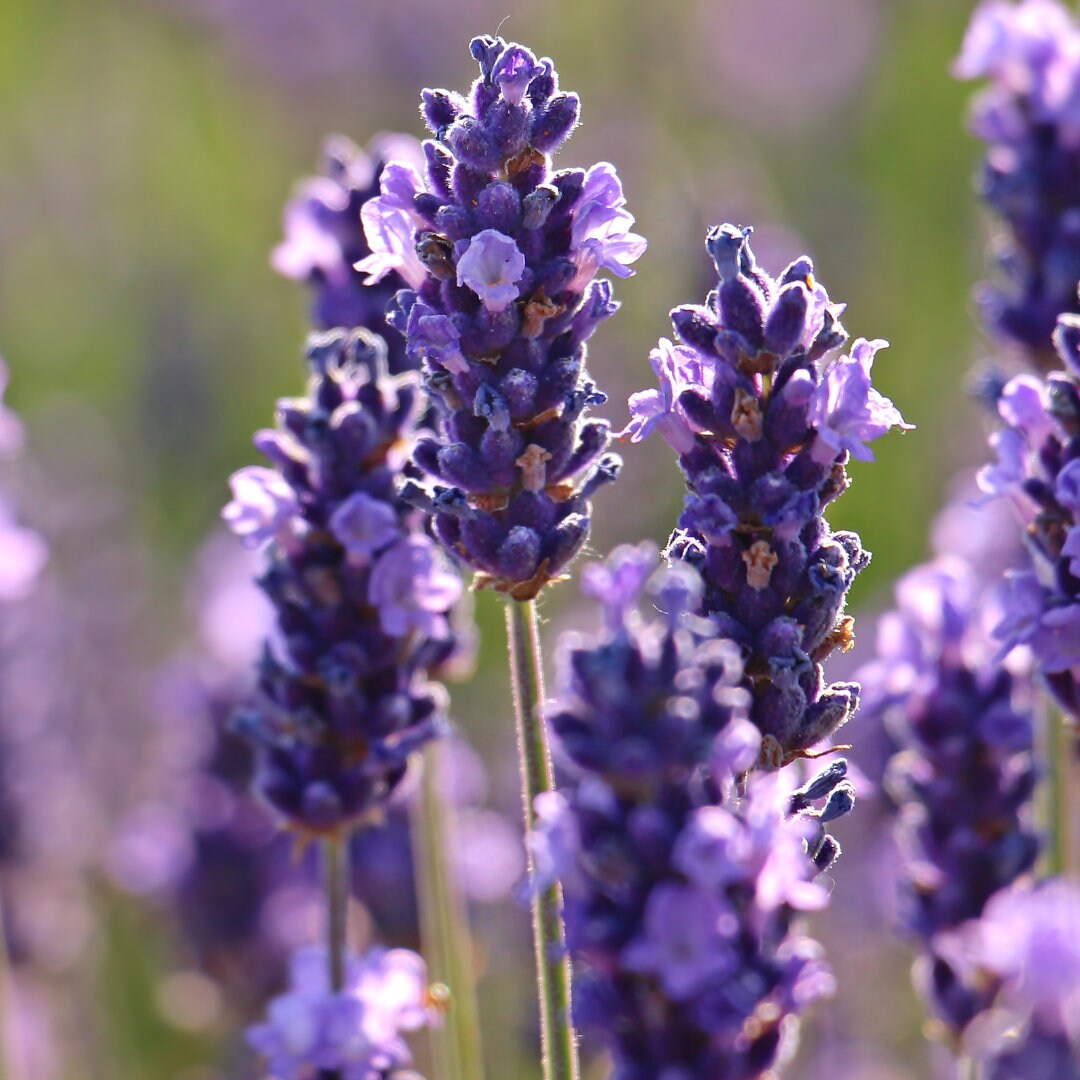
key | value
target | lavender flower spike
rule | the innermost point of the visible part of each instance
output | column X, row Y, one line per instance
column 324, row 238
column 964, row 774
column 502, row 256
column 1039, row 471
column 1029, row 117
column 361, row 594
column 764, row 418
column 681, row 899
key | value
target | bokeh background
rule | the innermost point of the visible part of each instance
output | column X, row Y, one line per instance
column 146, row 150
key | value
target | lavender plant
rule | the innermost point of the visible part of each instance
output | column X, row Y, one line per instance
column 764, row 417
column 682, row 887
column 1029, row 117
column 501, row 255
column 361, row 597
column 963, row 775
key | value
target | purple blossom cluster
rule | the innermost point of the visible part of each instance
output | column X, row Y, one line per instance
column 324, row 238
column 1029, row 117
column 501, row 256
column 963, row 775
column 764, row 417
column 352, row 1034
column 361, row 595
column 682, row 888
column 1025, row 953
column 1038, row 470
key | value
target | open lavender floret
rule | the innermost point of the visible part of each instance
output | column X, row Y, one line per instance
column 361, row 594
column 681, row 894
column 502, row 254
column 764, row 416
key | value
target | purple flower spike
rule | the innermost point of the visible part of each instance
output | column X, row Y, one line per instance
column 1029, row 117
column 491, row 266
column 763, row 418
column 324, row 237
column 682, row 888
column 963, row 773
column 846, row 411
column 262, row 508
column 501, row 253
column 361, row 594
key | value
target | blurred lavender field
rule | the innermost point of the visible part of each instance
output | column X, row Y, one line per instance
column 149, row 149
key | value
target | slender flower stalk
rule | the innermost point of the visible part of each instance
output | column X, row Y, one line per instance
column 549, row 936
column 335, row 856
column 446, row 931
column 764, row 416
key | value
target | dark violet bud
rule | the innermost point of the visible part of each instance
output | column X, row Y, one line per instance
column 440, row 109
column 362, row 597
column 763, row 416
column 680, row 884
column 553, row 126
column 503, row 258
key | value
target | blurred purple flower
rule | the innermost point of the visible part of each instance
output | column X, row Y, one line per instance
column 356, row 1032
column 1029, row 116
column 262, row 507
column 413, row 585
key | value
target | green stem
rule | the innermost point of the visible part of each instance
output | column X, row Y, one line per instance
column 336, row 883
column 1059, row 754
column 10, row 1049
column 968, row 1068
column 447, row 936
column 549, row 939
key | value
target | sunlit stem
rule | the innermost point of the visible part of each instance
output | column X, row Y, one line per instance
column 447, row 936
column 1059, row 739
column 558, row 1042
column 335, row 851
